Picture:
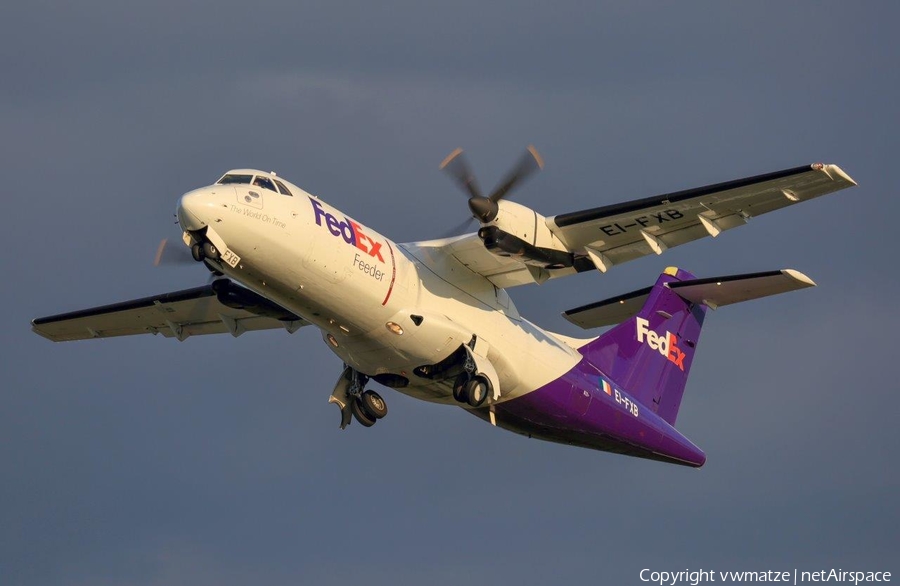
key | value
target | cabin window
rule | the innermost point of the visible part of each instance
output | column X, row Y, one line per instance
column 229, row 178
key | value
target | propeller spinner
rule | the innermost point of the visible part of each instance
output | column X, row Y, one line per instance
column 484, row 209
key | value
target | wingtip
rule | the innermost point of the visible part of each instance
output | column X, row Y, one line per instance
column 832, row 170
column 840, row 173
column 799, row 277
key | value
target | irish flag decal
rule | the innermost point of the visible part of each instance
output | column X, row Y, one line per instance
column 606, row 388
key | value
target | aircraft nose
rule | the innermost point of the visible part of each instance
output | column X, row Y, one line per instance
column 189, row 210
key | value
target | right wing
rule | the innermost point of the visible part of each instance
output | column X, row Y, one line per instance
column 216, row 308
column 614, row 234
column 602, row 237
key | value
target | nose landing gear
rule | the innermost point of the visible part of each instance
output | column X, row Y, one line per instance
column 200, row 252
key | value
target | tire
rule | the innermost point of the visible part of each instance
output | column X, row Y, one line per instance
column 460, row 394
column 477, row 390
column 359, row 415
column 197, row 252
column 373, row 405
column 210, row 251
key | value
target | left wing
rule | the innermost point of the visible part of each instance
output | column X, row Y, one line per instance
column 602, row 237
column 216, row 308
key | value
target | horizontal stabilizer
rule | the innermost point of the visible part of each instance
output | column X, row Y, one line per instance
column 718, row 291
column 608, row 312
column 713, row 292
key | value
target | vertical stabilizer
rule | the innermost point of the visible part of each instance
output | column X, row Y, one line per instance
column 650, row 354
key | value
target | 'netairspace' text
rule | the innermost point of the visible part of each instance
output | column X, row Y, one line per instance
column 695, row 577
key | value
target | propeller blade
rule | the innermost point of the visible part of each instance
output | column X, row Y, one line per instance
column 458, row 230
column 530, row 162
column 172, row 254
column 458, row 168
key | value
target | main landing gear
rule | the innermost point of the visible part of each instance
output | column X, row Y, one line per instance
column 472, row 377
column 366, row 406
column 471, row 386
column 471, row 389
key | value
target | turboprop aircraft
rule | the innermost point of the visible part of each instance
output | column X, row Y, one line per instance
column 434, row 320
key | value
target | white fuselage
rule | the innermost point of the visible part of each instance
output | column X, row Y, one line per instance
column 350, row 282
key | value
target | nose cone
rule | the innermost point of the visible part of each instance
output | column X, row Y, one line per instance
column 190, row 210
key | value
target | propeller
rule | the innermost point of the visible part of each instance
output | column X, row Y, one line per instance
column 484, row 209
column 172, row 253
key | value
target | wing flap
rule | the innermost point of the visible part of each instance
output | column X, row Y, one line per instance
column 180, row 314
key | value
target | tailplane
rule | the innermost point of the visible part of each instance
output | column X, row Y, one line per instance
column 650, row 352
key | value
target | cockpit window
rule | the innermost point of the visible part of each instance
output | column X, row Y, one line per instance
column 282, row 188
column 259, row 181
column 265, row 183
column 234, row 178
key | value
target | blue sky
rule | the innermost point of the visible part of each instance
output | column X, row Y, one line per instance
column 218, row 460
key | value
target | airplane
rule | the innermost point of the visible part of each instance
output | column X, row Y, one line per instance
column 434, row 320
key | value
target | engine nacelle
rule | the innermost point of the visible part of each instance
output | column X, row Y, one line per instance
column 520, row 232
column 237, row 297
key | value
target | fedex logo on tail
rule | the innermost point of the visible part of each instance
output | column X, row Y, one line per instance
column 347, row 229
column 666, row 345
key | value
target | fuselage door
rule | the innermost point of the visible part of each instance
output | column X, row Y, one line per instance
column 579, row 400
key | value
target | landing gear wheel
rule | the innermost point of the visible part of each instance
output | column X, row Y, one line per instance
column 359, row 414
column 477, row 390
column 373, row 405
column 460, row 394
column 197, row 252
column 210, row 251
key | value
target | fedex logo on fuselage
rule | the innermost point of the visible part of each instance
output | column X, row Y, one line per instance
column 347, row 229
column 666, row 345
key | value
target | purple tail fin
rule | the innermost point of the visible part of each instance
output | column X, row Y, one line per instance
column 650, row 354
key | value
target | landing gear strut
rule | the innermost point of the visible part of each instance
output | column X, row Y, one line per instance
column 366, row 406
